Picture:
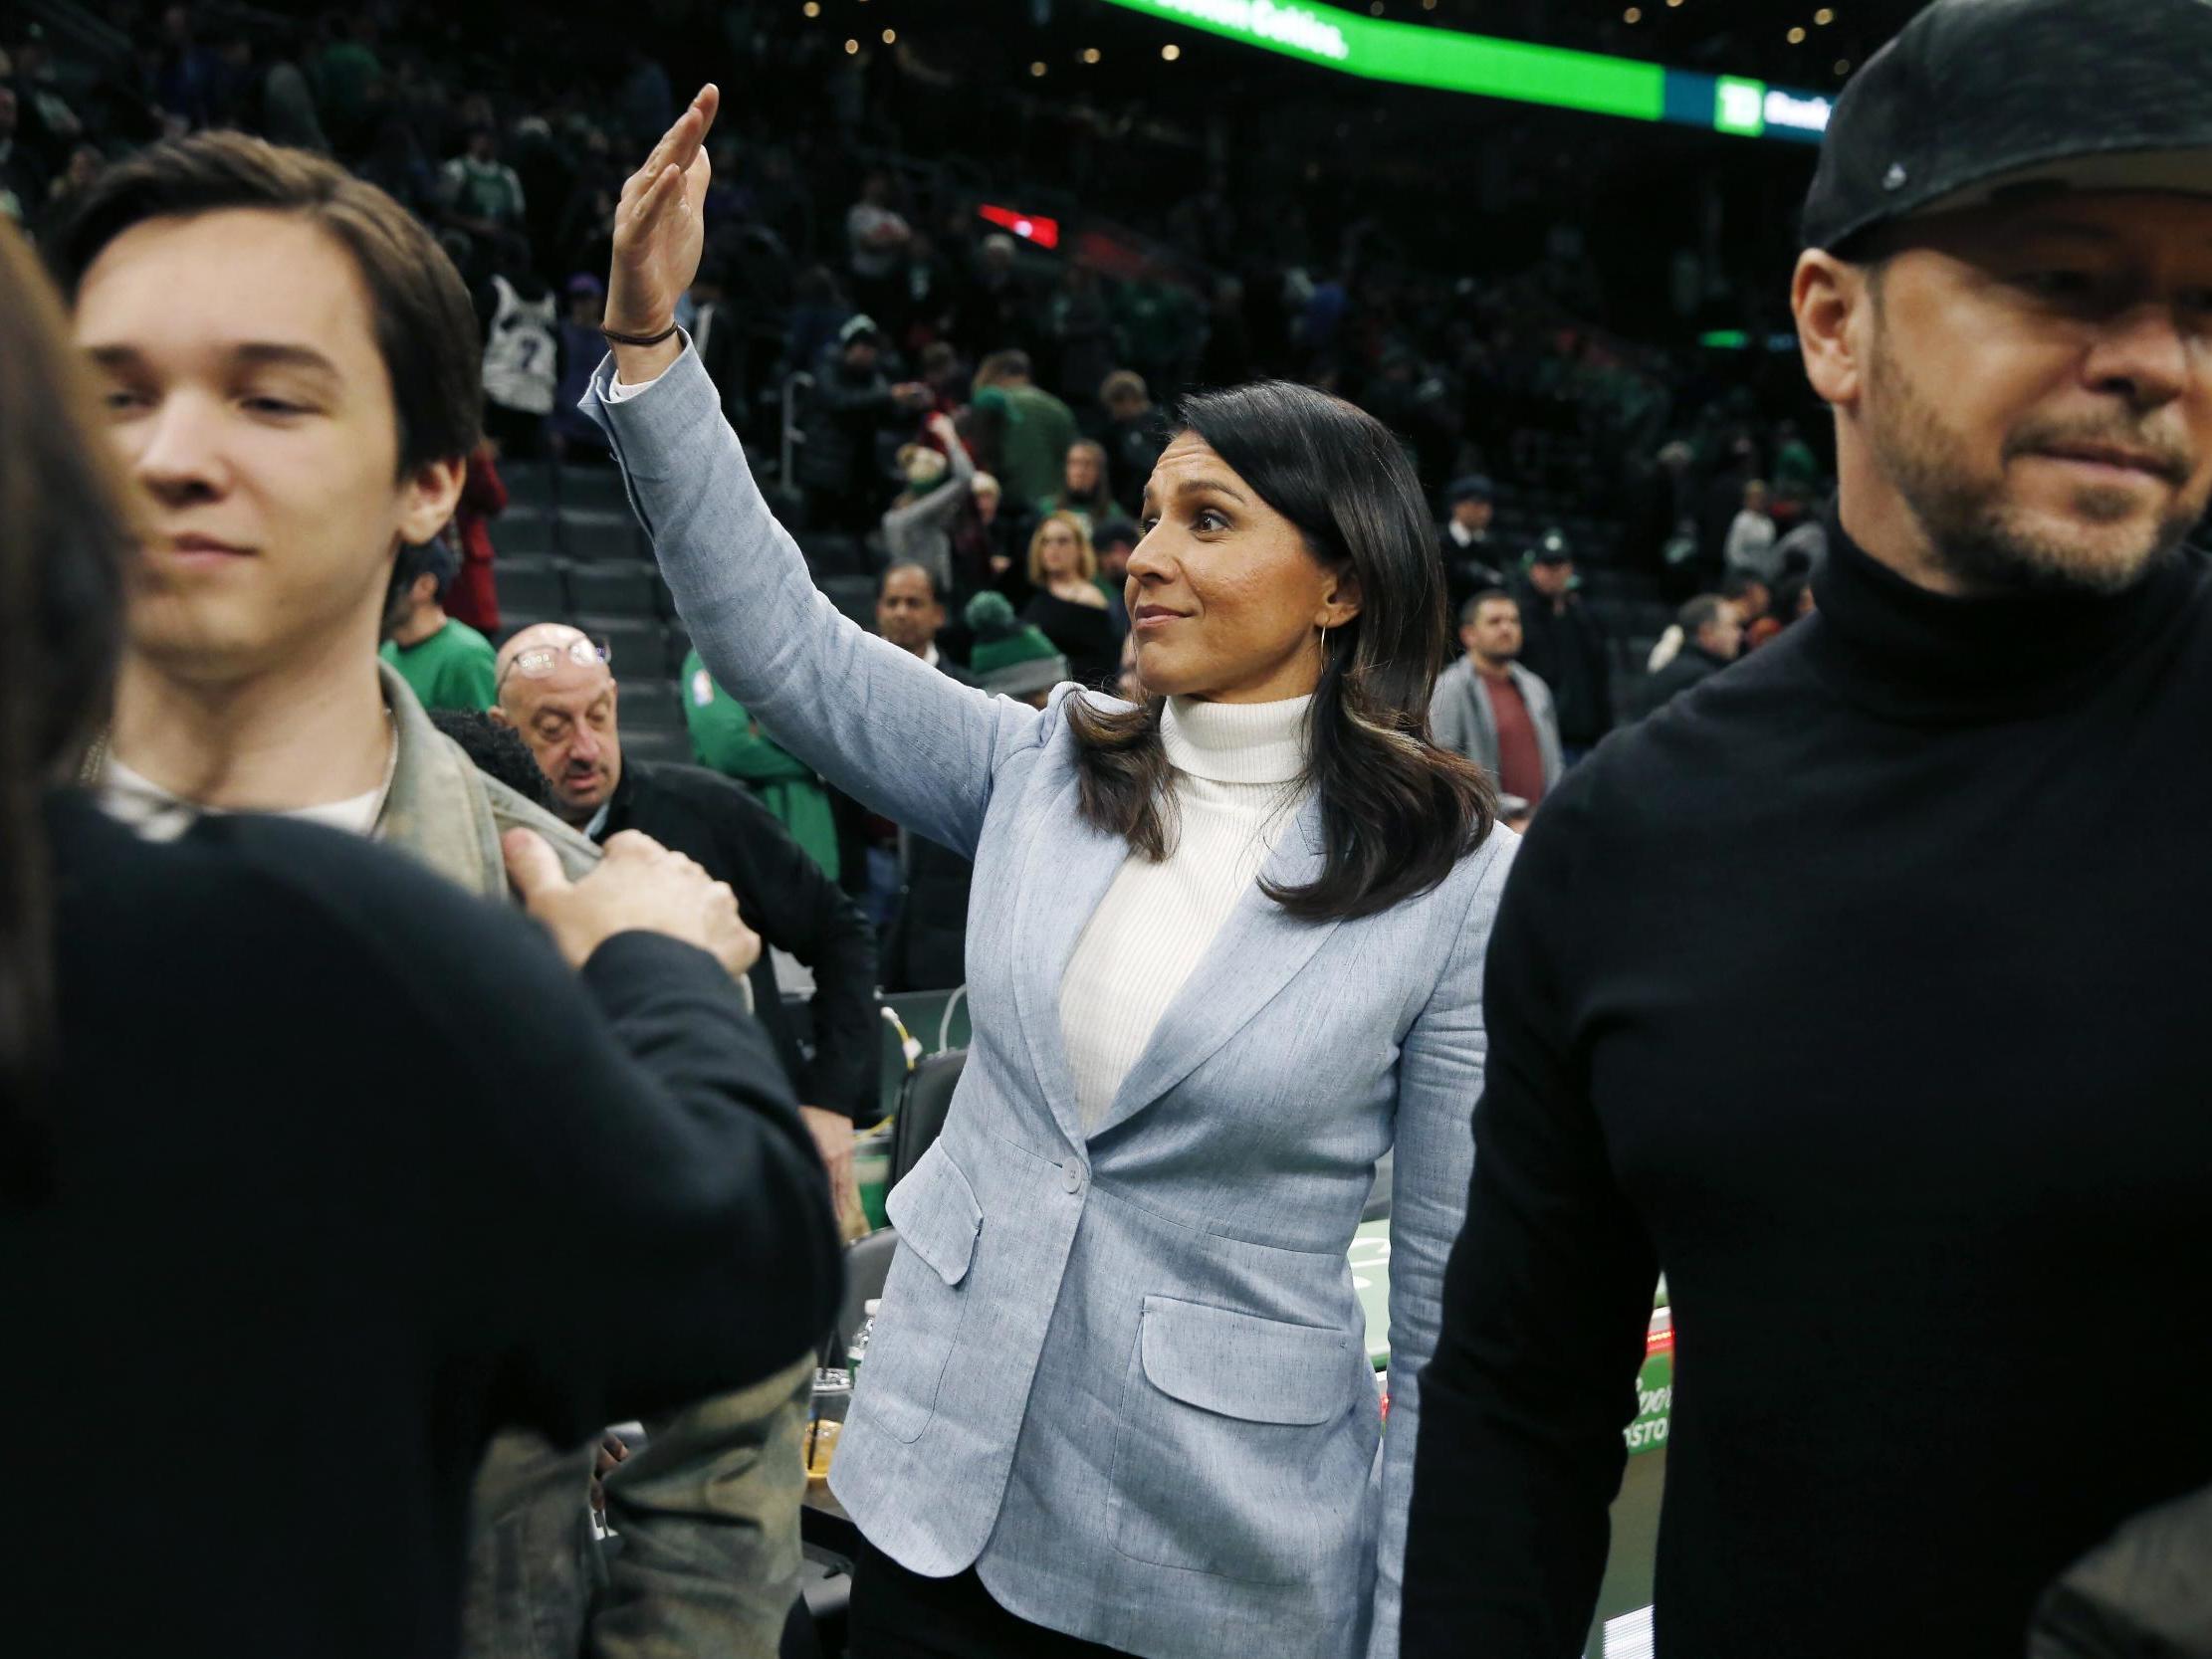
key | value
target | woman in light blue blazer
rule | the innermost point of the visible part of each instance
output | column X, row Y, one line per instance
column 1225, row 951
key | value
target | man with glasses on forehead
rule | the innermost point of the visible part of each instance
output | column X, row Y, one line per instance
column 557, row 687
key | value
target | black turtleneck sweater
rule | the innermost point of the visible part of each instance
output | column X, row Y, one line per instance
column 1863, row 992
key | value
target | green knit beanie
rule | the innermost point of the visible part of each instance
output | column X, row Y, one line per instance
column 1009, row 655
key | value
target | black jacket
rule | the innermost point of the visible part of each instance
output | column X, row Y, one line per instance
column 2145, row 1592
column 1692, row 664
column 844, row 412
column 353, row 1170
column 785, row 898
column 1566, row 649
column 1467, row 571
column 925, row 947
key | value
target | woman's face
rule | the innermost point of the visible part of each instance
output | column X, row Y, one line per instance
column 1082, row 471
column 1225, row 600
column 1058, row 551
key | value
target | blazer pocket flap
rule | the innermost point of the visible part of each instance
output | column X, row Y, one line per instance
column 1261, row 1371
column 935, row 1213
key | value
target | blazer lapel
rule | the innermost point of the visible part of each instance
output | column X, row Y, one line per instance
column 1064, row 873
column 1259, row 950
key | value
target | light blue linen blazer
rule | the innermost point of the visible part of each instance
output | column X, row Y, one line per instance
column 1122, row 1374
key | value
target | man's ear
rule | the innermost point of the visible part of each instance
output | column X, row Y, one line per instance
column 428, row 495
column 1833, row 300
column 499, row 717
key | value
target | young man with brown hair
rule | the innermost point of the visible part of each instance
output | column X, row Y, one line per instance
column 289, row 367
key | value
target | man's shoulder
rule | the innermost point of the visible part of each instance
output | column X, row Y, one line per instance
column 269, row 874
column 460, row 638
column 671, row 782
column 1458, row 673
column 702, row 813
column 1037, row 397
column 1717, row 719
column 514, row 810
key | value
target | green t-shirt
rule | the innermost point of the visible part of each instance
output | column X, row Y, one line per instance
column 1033, row 458
column 725, row 738
column 455, row 667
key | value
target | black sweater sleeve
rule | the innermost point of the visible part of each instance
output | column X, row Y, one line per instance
column 793, row 906
column 582, row 1197
column 667, row 1232
column 1546, row 1302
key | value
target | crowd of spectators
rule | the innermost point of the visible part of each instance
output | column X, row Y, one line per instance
column 979, row 407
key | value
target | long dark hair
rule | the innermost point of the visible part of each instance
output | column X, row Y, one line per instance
column 1397, row 811
column 63, row 536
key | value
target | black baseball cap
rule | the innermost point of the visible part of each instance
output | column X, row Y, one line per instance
column 1977, row 101
column 1552, row 549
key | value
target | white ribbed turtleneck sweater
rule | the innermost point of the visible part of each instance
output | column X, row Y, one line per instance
column 1236, row 771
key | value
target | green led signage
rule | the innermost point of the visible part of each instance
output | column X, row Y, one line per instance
column 1413, row 54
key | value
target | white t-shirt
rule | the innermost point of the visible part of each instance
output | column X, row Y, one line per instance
column 134, row 799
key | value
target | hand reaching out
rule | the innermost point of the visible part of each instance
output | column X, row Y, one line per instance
column 639, row 886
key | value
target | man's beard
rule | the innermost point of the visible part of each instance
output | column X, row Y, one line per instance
column 1976, row 535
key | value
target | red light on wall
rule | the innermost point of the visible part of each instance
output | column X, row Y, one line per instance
column 1031, row 227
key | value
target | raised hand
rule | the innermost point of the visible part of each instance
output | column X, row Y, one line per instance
column 659, row 230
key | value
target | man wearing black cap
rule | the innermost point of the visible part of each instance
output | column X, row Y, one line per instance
column 1470, row 554
column 1564, row 646
column 1931, row 871
column 851, row 401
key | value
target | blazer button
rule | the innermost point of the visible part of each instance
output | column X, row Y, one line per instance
column 1071, row 1178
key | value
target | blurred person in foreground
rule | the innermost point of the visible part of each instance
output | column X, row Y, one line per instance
column 557, row 687
column 1229, row 948
column 307, row 1156
column 290, row 372
column 1929, row 870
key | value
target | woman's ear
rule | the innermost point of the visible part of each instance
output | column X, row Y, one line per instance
column 1340, row 601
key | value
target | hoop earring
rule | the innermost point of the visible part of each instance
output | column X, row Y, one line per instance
column 1324, row 643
